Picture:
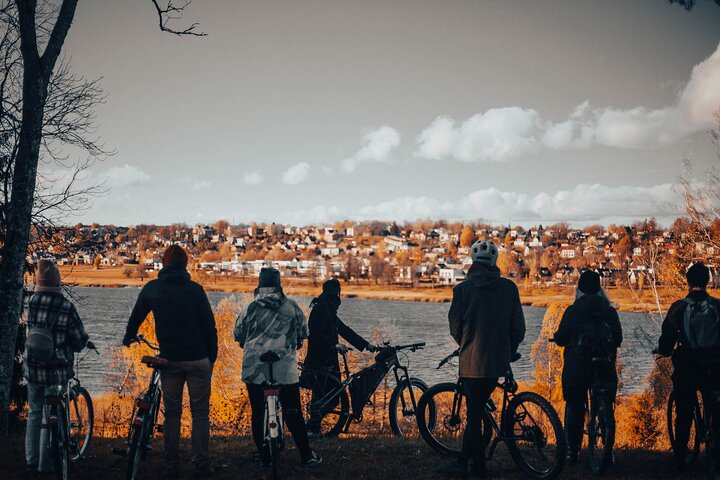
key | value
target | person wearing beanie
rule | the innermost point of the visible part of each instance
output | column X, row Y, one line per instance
column 185, row 329
column 487, row 322
column 48, row 308
column 589, row 328
column 691, row 334
column 326, row 328
column 274, row 323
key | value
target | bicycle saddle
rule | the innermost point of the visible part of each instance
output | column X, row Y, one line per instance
column 154, row 362
column 269, row 357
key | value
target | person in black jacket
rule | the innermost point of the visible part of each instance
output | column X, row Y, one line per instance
column 185, row 328
column 325, row 329
column 694, row 368
column 487, row 322
column 591, row 305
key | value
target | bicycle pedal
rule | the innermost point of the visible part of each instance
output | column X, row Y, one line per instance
column 119, row 452
column 160, row 428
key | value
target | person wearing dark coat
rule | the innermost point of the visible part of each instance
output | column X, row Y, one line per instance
column 326, row 328
column 590, row 305
column 487, row 322
column 693, row 368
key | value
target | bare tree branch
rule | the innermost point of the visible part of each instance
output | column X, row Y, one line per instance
column 171, row 12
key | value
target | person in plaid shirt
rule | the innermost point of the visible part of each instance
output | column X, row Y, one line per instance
column 48, row 307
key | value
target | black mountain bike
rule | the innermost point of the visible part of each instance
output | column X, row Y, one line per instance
column 601, row 417
column 143, row 423
column 70, row 416
column 338, row 412
column 528, row 425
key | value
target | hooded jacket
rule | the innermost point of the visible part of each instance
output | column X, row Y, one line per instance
column 577, row 371
column 325, row 330
column 272, row 322
column 184, row 320
column 487, row 322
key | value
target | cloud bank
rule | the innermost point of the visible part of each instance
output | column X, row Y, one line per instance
column 501, row 134
column 296, row 174
column 125, row 176
column 253, row 178
column 377, row 146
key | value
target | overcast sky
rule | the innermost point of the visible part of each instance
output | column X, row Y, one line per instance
column 311, row 111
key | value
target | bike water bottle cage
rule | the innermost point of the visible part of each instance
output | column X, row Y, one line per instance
column 155, row 362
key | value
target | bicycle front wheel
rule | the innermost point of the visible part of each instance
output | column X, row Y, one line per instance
column 81, row 421
column 59, row 445
column 324, row 416
column 601, row 433
column 534, row 435
column 692, row 449
column 403, row 421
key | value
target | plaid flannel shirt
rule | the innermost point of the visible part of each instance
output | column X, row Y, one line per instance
column 68, row 332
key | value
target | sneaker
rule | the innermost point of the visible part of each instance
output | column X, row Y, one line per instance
column 313, row 461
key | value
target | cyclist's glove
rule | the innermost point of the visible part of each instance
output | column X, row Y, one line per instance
column 371, row 347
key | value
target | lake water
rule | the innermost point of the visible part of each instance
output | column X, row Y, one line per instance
column 105, row 312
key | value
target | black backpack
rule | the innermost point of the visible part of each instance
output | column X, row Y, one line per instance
column 595, row 339
column 701, row 324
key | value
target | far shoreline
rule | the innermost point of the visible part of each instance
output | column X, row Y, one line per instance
column 625, row 299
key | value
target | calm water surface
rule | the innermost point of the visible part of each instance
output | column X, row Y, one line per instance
column 105, row 312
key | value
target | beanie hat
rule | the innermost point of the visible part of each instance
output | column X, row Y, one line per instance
column 331, row 287
column 589, row 282
column 175, row 255
column 269, row 277
column 47, row 276
column 698, row 275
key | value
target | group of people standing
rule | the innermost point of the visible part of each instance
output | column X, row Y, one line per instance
column 485, row 319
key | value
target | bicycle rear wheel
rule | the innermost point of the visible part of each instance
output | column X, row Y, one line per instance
column 601, row 433
column 693, row 446
column 446, row 435
column 534, row 435
column 335, row 413
column 81, row 421
column 403, row 421
column 136, row 443
column 59, row 444
column 274, row 456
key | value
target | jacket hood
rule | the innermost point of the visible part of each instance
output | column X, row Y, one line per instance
column 174, row 274
column 484, row 276
column 592, row 304
column 269, row 297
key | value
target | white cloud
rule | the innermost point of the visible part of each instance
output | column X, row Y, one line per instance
column 584, row 203
column 296, row 174
column 125, row 176
column 498, row 134
column 377, row 146
column 200, row 184
column 502, row 134
column 253, row 178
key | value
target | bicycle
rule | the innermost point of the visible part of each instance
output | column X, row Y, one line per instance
column 601, row 417
column 274, row 432
column 143, row 422
column 70, row 416
column 338, row 412
column 529, row 425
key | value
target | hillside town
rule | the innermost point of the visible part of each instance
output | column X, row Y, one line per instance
column 433, row 253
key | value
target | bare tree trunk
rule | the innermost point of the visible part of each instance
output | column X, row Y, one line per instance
column 36, row 75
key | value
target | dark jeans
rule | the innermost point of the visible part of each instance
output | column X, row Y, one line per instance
column 198, row 376
column 575, row 407
column 686, row 384
column 320, row 388
column 292, row 415
column 478, row 391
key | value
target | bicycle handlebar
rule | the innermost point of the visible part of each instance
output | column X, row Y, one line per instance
column 412, row 346
column 445, row 360
column 141, row 339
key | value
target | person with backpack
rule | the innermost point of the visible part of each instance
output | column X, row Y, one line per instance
column 273, row 322
column 487, row 322
column 691, row 334
column 185, row 329
column 55, row 333
column 325, row 330
column 589, row 328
